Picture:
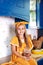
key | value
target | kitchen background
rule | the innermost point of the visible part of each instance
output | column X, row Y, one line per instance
column 12, row 11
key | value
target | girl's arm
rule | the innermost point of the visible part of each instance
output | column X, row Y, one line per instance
column 13, row 48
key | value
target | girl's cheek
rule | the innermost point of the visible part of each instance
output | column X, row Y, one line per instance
column 24, row 31
column 18, row 32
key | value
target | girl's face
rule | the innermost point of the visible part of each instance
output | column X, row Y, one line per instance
column 21, row 29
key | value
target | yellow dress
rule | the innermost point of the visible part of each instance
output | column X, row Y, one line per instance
column 17, row 60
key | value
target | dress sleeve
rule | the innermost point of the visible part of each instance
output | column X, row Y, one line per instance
column 30, row 43
column 14, row 41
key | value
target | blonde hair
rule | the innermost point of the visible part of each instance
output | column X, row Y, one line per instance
column 25, row 37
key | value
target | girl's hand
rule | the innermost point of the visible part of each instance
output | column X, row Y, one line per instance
column 27, row 53
column 27, row 58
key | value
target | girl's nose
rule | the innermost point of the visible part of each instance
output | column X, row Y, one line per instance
column 21, row 30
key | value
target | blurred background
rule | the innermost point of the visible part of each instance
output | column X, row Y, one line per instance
column 12, row 11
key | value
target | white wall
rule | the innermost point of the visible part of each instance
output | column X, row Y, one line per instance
column 5, row 35
column 33, row 32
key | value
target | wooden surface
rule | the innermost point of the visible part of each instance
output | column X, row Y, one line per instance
column 5, row 59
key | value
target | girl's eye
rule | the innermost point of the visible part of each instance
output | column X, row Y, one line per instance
column 21, row 28
column 18, row 28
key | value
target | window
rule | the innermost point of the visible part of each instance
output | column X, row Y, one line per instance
column 32, row 13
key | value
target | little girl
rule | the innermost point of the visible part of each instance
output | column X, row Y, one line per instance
column 21, row 46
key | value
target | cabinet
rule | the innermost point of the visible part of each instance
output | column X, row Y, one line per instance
column 23, row 9
column 41, row 14
column 15, row 8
